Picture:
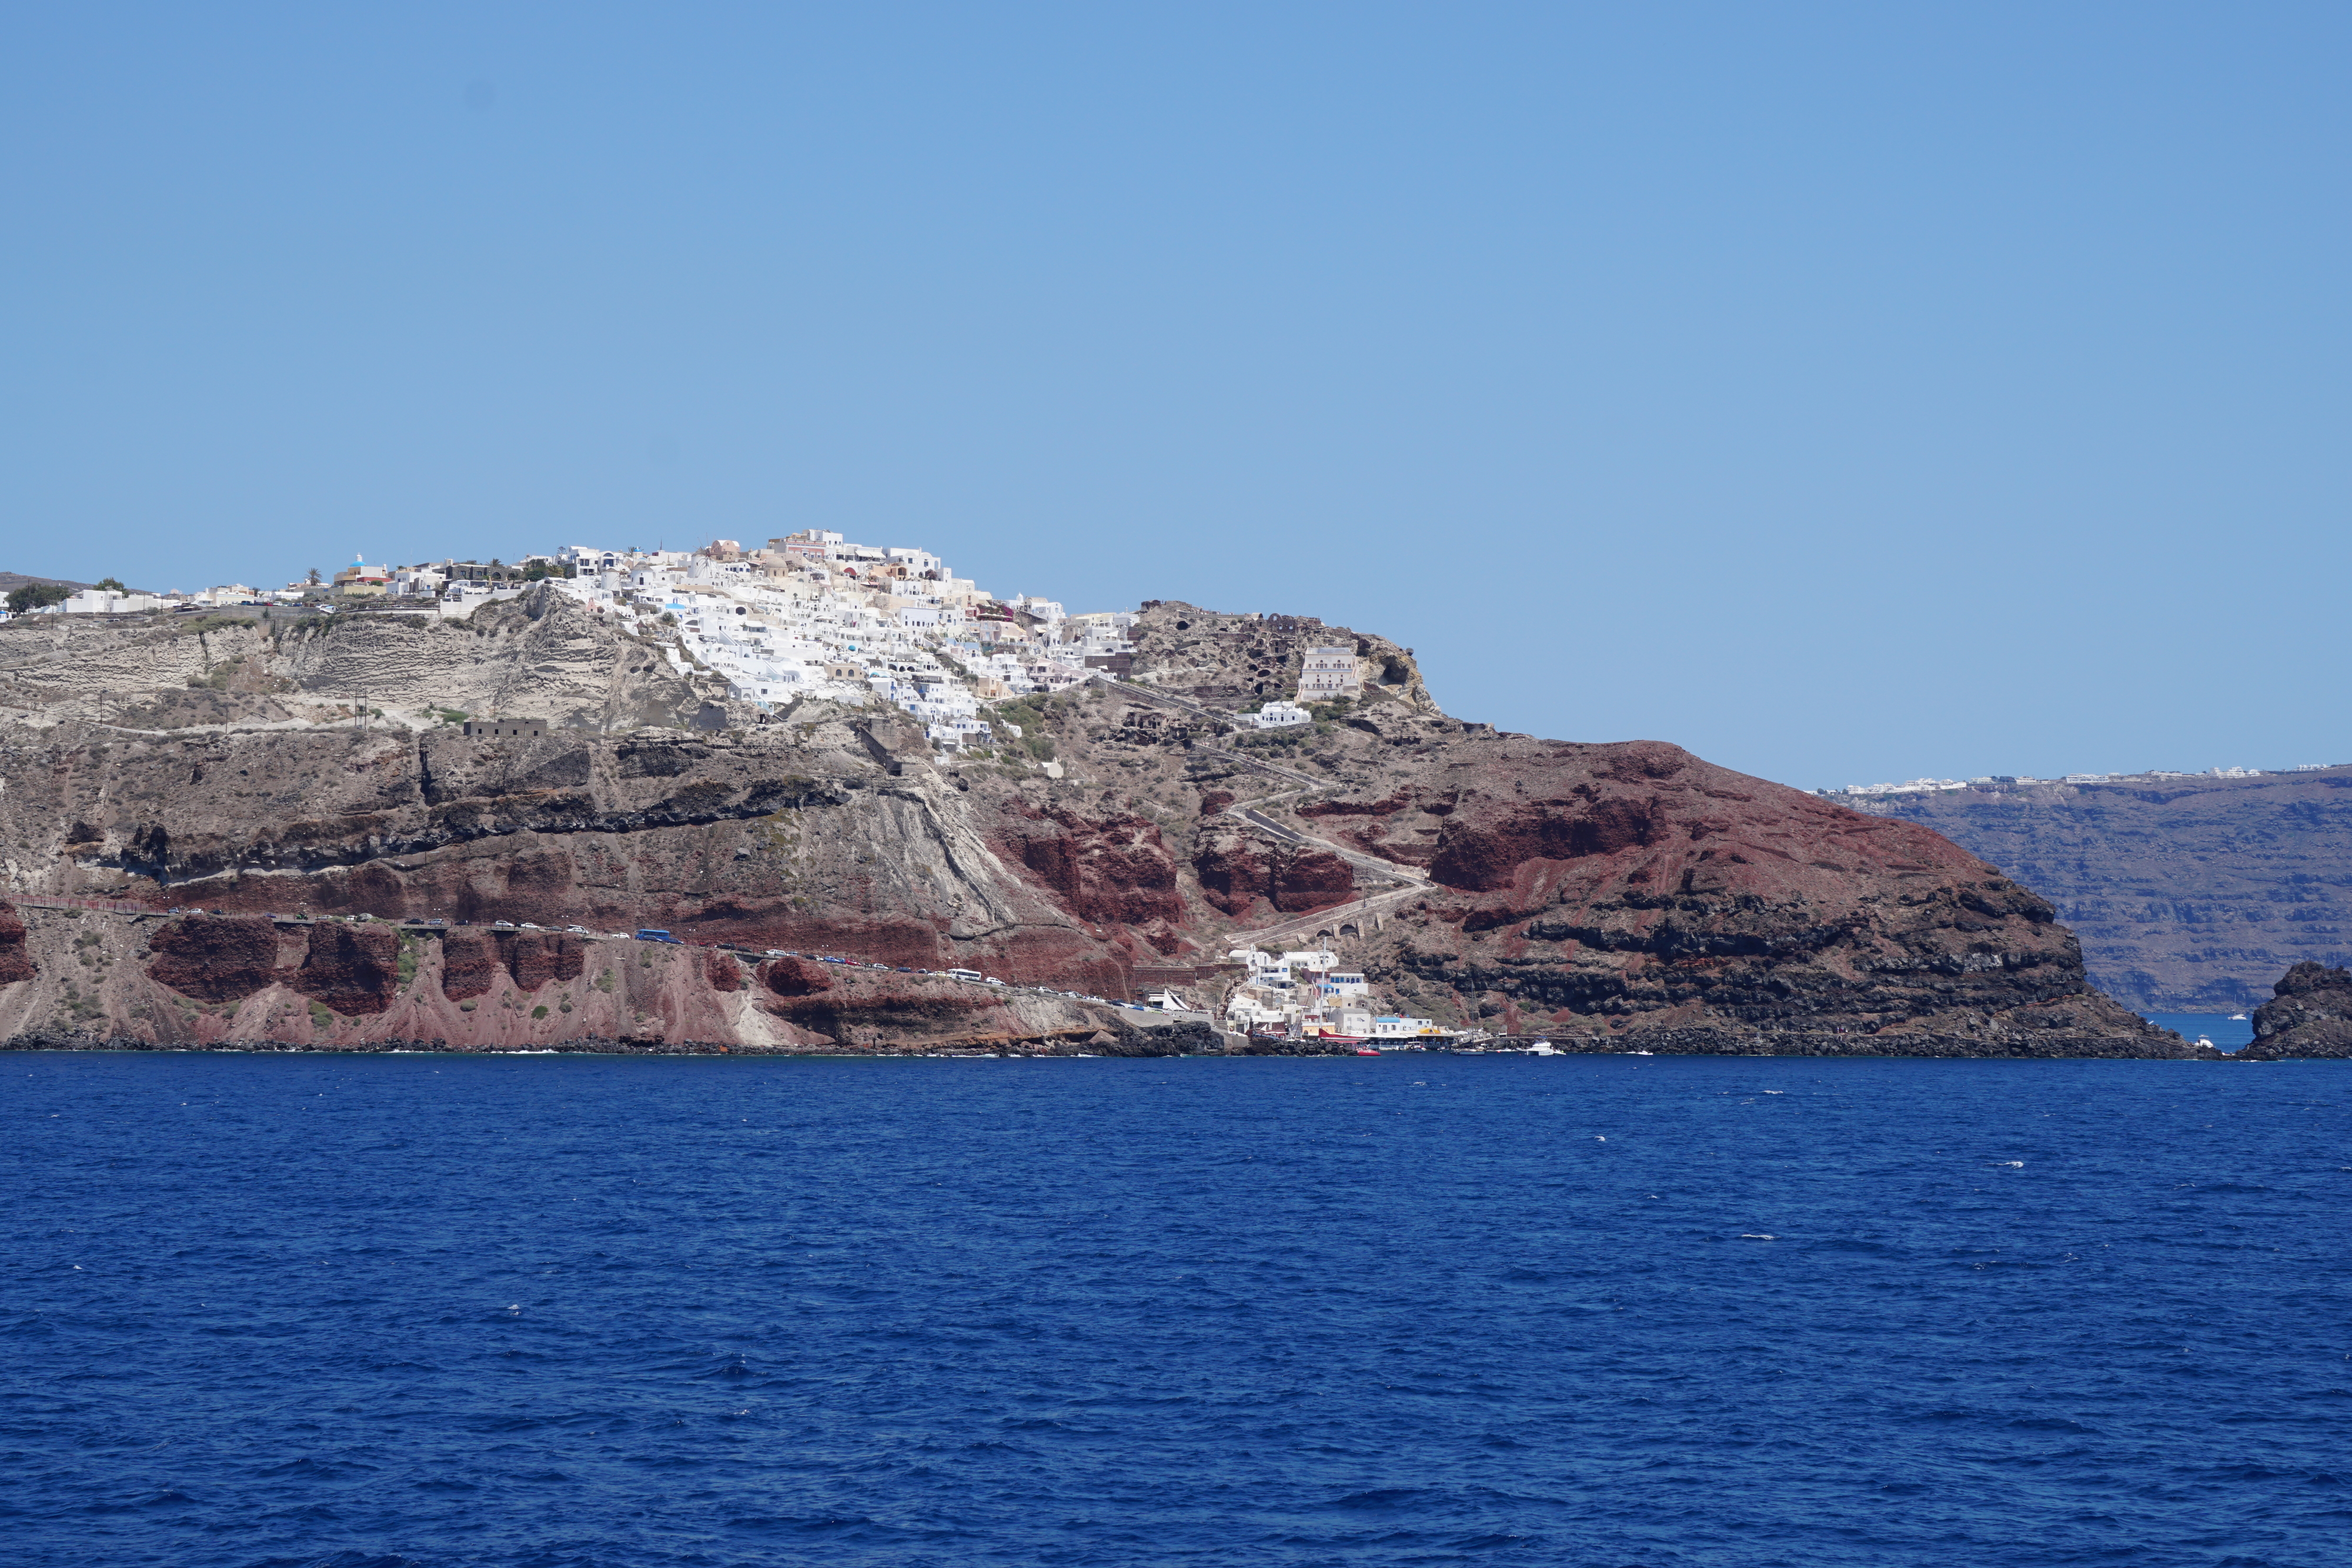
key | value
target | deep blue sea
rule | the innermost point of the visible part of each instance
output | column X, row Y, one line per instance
column 560, row 1311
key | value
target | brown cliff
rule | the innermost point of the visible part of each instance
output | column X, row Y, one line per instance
column 1626, row 892
column 215, row 958
column 1247, row 875
column 1633, row 888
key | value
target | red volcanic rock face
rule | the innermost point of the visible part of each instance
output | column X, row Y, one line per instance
column 722, row 971
column 535, row 957
column 351, row 969
column 470, row 960
column 1635, row 886
column 1233, row 874
column 1485, row 854
column 1236, row 871
column 1549, row 821
column 859, row 1007
column 469, row 965
column 1112, row 870
column 214, row 957
column 797, row 977
column 15, row 964
column 1309, row 879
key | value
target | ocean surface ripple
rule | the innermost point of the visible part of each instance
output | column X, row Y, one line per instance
column 574, row 1312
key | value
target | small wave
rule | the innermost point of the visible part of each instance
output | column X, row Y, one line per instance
column 1384, row 1497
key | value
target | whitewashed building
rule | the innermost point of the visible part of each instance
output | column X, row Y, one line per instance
column 1328, row 674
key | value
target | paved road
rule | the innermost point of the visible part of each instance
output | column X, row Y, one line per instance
column 1305, row 925
column 1256, row 818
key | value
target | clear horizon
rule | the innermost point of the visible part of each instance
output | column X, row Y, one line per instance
column 1847, row 396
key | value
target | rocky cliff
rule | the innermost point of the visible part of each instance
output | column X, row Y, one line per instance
column 2189, row 893
column 1623, row 893
column 2309, row 1014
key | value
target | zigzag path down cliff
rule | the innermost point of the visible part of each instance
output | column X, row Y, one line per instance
column 1624, row 893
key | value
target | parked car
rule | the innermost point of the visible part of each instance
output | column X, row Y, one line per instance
column 503, row 924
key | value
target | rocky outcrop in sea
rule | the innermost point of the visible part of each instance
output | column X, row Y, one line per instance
column 2309, row 1014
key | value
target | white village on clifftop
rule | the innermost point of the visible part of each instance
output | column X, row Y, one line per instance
column 813, row 616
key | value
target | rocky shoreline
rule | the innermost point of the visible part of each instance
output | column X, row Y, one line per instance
column 1178, row 1039
column 1201, row 1040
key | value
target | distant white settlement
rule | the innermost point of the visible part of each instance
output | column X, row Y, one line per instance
column 1307, row 995
column 809, row 615
column 2004, row 780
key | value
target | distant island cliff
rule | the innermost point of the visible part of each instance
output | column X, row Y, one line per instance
column 2191, row 893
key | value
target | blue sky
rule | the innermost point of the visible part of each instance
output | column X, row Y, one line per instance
column 1843, row 392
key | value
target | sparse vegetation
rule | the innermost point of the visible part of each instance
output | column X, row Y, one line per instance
column 218, row 677
column 1030, row 714
column 38, row 596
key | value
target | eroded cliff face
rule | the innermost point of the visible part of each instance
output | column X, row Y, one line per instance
column 99, row 979
column 16, row 962
column 1625, row 891
column 1633, row 888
